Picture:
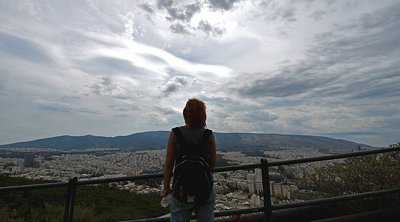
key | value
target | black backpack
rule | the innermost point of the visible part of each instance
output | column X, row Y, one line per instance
column 193, row 181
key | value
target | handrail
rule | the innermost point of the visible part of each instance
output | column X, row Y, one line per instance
column 335, row 199
column 333, row 157
column 34, row 186
column 267, row 208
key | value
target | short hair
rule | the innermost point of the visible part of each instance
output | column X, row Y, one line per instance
column 194, row 113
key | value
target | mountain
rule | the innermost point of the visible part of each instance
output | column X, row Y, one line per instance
column 158, row 140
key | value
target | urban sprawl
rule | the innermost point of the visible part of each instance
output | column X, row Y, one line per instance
column 235, row 189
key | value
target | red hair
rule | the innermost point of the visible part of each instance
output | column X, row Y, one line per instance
column 194, row 113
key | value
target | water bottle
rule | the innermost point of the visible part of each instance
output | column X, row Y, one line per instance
column 165, row 200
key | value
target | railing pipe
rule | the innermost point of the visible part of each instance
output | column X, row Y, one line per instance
column 119, row 179
column 332, row 157
column 34, row 186
column 237, row 167
column 70, row 200
column 266, row 190
column 335, row 199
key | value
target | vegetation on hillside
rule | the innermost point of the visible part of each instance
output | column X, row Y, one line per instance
column 92, row 203
column 357, row 175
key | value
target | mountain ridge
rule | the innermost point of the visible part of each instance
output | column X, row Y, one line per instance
column 158, row 140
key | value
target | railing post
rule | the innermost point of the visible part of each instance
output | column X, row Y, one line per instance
column 266, row 190
column 70, row 200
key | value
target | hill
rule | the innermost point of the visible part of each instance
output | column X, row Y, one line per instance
column 158, row 140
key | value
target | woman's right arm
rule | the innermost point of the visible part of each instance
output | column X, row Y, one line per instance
column 169, row 162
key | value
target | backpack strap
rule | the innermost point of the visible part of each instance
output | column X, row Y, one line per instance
column 192, row 150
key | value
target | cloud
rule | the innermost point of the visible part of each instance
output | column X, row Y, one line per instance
column 273, row 11
column 154, row 59
column 165, row 116
column 147, row 7
column 341, row 65
column 222, row 4
column 283, row 85
column 111, row 66
column 318, row 14
column 104, row 87
column 119, row 88
column 164, row 3
column 167, row 111
column 208, row 29
column 24, row 48
column 175, row 84
column 180, row 16
column 183, row 14
column 179, row 29
column 57, row 106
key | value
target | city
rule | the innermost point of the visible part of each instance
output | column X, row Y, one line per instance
column 236, row 190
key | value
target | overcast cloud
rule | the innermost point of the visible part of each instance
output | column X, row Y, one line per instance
column 329, row 68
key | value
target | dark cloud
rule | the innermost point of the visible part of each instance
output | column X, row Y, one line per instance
column 23, row 48
column 360, row 63
column 104, row 86
column 164, row 4
column 210, row 30
column 282, row 85
column 181, row 17
column 179, row 29
column 184, row 13
column 147, row 7
column 222, row 4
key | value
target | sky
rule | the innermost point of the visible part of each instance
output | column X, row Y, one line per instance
column 111, row 67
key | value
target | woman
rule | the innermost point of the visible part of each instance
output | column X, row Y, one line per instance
column 195, row 116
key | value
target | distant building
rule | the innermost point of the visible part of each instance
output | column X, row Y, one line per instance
column 255, row 200
column 254, row 183
column 282, row 191
column 258, row 187
column 29, row 160
column 251, row 180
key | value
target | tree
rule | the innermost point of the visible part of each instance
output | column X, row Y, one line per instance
column 355, row 175
column 9, row 215
column 93, row 203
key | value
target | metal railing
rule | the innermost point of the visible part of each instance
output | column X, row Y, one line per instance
column 267, row 209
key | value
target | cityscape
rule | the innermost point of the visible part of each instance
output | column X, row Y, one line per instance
column 235, row 190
